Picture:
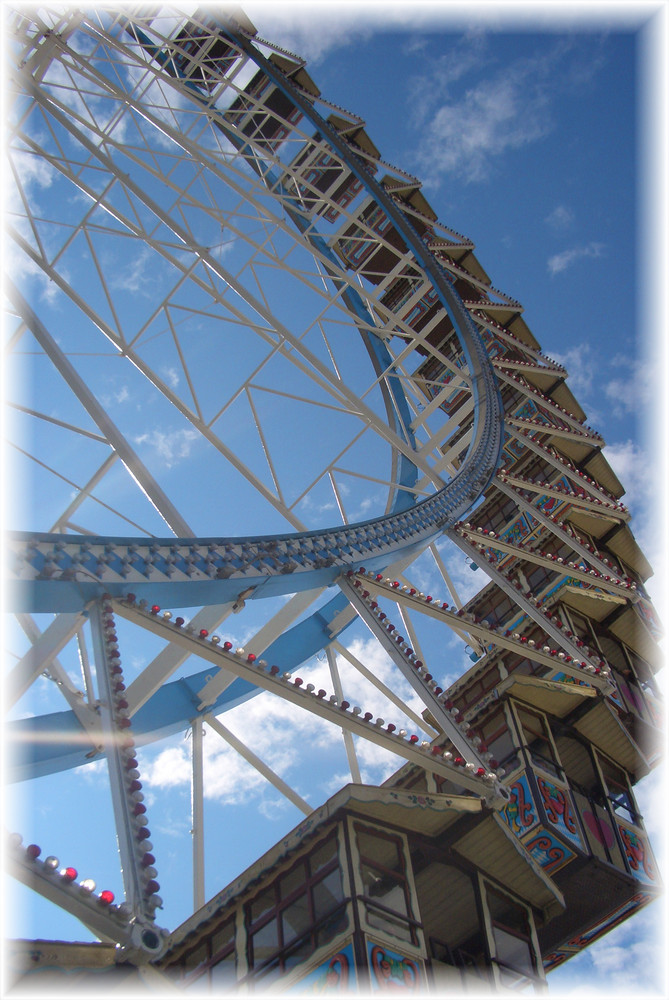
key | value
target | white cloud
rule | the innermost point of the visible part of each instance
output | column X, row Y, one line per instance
column 581, row 368
column 311, row 37
column 33, row 170
column 560, row 218
column 492, row 117
column 466, row 129
column 633, row 392
column 635, row 470
column 134, row 277
column 170, row 768
column 561, row 261
column 171, row 376
column 642, row 478
column 170, row 448
column 631, row 956
column 428, row 90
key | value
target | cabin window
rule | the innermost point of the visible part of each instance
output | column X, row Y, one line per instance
column 385, row 884
column 536, row 740
column 511, row 946
column 300, row 912
column 212, row 960
column 617, row 790
column 499, row 740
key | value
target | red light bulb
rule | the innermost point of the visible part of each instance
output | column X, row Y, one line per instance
column 106, row 897
column 69, row 874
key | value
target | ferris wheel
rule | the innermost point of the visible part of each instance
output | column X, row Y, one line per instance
column 221, row 360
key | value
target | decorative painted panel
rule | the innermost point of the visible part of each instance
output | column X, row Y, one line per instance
column 548, row 851
column 559, row 810
column 610, row 920
column 638, row 853
column 568, row 679
column 421, row 307
column 555, row 958
column 550, row 504
column 648, row 615
column 513, row 447
column 335, row 974
column 494, row 347
column 520, row 813
column 516, row 531
column 528, row 411
column 391, row 971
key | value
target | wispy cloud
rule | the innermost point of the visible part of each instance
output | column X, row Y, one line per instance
column 171, row 447
column 310, row 37
column 581, row 369
column 466, row 128
column 171, row 376
column 633, row 391
column 634, row 467
column 561, row 261
column 560, row 218
column 641, row 473
column 134, row 277
column 494, row 116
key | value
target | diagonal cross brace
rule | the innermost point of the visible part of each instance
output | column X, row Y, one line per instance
column 419, row 680
column 270, row 678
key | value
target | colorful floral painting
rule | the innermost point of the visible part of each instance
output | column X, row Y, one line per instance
column 549, row 852
column 559, row 810
column 516, row 531
column 555, row 958
column 611, row 920
column 335, row 975
column 392, row 972
column 520, row 813
column 637, row 853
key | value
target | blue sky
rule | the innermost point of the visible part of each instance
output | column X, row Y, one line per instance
column 526, row 135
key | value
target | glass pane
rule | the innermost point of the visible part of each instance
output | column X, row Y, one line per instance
column 383, row 850
column 262, row 905
column 296, row 920
column 323, row 855
column 300, row 954
column 385, row 888
column 294, row 880
column 384, row 922
column 513, row 951
column 336, row 925
column 327, row 893
column 265, row 942
column 619, row 794
column 223, row 973
column 506, row 911
column 271, row 971
column 223, row 937
column 196, row 956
